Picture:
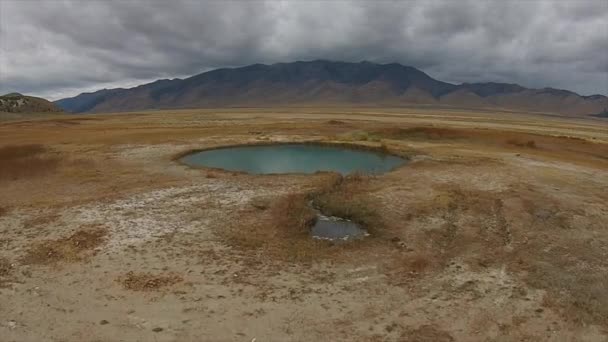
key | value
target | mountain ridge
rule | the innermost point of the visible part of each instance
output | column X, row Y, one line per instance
column 19, row 103
column 329, row 82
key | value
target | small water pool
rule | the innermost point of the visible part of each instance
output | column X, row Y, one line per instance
column 336, row 229
column 294, row 158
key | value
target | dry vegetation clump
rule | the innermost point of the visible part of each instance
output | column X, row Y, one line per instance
column 147, row 281
column 280, row 227
column 477, row 136
column 3, row 211
column 426, row 333
column 70, row 249
column 404, row 267
column 420, row 133
column 41, row 220
column 25, row 161
column 359, row 136
column 293, row 215
column 261, row 202
column 519, row 143
column 268, row 223
column 6, row 269
column 348, row 198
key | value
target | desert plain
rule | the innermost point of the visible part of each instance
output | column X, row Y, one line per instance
column 495, row 230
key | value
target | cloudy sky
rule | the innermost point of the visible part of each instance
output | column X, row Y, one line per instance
column 56, row 48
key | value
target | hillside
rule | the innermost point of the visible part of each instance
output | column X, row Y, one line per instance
column 18, row 103
column 327, row 82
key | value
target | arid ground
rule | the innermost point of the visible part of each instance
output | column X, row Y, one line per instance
column 496, row 229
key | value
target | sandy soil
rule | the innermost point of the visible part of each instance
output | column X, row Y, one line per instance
column 497, row 230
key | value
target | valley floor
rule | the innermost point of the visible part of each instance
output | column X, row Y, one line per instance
column 496, row 230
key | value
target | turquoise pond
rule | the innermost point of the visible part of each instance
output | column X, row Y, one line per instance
column 294, row 158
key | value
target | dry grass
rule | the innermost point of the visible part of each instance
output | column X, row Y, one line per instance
column 580, row 296
column 70, row 249
column 421, row 133
column 25, row 161
column 359, row 136
column 426, row 333
column 147, row 281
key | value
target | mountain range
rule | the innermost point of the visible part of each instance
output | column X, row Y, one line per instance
column 324, row 82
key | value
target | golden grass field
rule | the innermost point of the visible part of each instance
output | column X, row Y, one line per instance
column 496, row 230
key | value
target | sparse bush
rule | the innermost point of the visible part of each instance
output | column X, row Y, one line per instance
column 293, row 214
column 148, row 282
column 6, row 270
column 5, row 267
column 519, row 143
column 359, row 136
column 12, row 152
column 70, row 249
column 346, row 197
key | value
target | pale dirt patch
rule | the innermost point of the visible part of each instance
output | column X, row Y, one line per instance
column 150, row 215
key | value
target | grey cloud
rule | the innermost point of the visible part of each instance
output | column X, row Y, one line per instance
column 60, row 48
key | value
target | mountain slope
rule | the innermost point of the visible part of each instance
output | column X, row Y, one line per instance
column 18, row 103
column 326, row 82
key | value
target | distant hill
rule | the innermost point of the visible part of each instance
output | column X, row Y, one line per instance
column 18, row 103
column 329, row 83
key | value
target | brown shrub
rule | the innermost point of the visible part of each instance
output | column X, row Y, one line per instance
column 268, row 223
column 347, row 198
column 292, row 214
column 426, row 333
column 5, row 267
column 70, row 249
column 419, row 263
column 148, row 282
column 12, row 152
column 520, row 143
column 41, row 220
column 25, row 161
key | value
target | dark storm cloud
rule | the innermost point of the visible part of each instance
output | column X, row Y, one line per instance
column 60, row 48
